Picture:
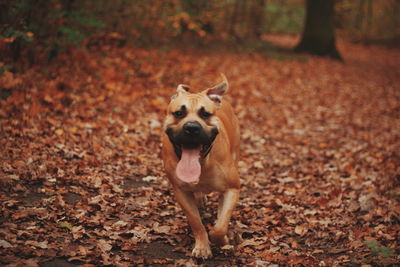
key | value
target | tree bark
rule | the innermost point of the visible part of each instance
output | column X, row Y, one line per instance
column 319, row 35
column 256, row 19
column 234, row 18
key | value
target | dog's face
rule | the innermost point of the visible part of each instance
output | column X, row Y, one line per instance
column 191, row 123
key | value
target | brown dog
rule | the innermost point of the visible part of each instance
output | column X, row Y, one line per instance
column 200, row 154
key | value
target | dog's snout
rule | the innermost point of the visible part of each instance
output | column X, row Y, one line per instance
column 192, row 128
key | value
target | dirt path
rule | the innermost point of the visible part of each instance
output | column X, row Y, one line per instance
column 82, row 181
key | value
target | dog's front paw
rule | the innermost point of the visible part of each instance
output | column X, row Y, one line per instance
column 202, row 251
column 219, row 237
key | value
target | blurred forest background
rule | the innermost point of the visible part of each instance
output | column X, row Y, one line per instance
column 37, row 30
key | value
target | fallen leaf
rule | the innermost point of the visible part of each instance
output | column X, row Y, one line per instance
column 301, row 229
column 59, row 132
column 5, row 244
column 104, row 245
column 42, row 245
column 66, row 225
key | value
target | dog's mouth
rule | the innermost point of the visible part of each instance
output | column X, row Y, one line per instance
column 191, row 155
column 202, row 150
column 202, row 144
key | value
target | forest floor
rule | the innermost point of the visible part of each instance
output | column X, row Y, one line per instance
column 82, row 184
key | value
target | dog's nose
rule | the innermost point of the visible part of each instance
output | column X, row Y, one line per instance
column 192, row 128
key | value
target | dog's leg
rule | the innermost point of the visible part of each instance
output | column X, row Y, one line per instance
column 220, row 205
column 200, row 200
column 188, row 203
column 218, row 233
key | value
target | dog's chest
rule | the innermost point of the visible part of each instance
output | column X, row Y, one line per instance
column 210, row 181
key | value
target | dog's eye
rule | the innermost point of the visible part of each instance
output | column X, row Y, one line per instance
column 179, row 114
column 204, row 114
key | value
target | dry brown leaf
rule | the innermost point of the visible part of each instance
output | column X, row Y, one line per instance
column 301, row 229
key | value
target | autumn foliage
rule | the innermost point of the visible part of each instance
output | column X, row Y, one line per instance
column 82, row 182
column 84, row 87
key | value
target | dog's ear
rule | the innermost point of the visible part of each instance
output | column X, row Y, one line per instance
column 181, row 88
column 215, row 93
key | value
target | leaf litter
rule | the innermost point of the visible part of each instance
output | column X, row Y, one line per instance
column 82, row 180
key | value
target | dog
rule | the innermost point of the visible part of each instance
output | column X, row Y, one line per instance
column 200, row 155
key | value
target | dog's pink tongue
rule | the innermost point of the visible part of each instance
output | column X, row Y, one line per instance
column 189, row 168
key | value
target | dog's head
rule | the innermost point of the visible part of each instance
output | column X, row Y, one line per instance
column 191, row 123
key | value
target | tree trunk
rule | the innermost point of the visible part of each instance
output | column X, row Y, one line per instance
column 319, row 36
column 256, row 19
column 235, row 13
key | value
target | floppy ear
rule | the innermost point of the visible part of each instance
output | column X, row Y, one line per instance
column 215, row 93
